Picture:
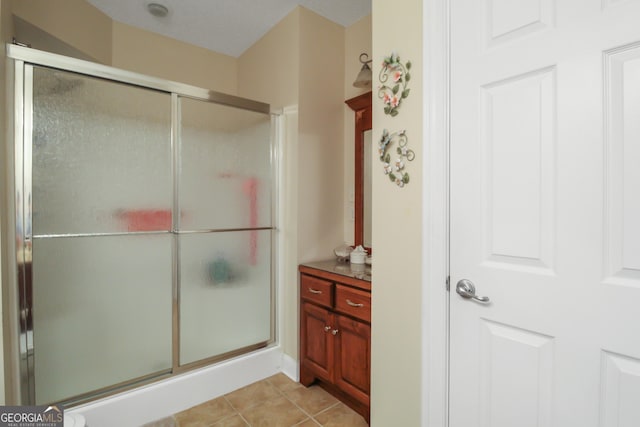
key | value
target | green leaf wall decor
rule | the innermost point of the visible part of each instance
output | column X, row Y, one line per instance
column 396, row 170
column 394, row 73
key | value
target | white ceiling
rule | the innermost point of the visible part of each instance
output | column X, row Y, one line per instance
column 225, row 26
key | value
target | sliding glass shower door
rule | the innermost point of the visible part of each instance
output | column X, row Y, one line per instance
column 102, row 248
column 144, row 228
column 225, row 229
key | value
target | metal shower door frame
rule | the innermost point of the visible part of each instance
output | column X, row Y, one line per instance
column 20, row 343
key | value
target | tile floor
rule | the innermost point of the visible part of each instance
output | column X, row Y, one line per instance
column 274, row 402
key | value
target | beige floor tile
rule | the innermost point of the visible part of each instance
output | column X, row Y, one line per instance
column 340, row 416
column 308, row 423
column 232, row 421
column 279, row 412
column 165, row 422
column 193, row 422
column 283, row 382
column 251, row 395
column 274, row 402
column 312, row 400
column 205, row 414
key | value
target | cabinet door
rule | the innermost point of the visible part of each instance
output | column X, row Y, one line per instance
column 352, row 364
column 316, row 342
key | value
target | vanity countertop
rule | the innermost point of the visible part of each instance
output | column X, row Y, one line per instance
column 355, row 271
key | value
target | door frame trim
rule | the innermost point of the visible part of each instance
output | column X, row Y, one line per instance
column 435, row 200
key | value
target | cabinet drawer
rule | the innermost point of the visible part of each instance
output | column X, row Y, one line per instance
column 317, row 290
column 353, row 302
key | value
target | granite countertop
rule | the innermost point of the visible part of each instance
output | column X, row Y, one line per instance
column 344, row 268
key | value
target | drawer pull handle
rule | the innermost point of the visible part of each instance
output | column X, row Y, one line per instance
column 353, row 304
column 326, row 328
column 314, row 291
column 334, row 332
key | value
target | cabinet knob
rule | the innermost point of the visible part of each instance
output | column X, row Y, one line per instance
column 326, row 328
column 314, row 291
column 334, row 332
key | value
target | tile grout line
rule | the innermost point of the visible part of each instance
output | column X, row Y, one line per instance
column 281, row 393
column 311, row 416
column 329, row 407
column 298, row 406
column 244, row 419
column 309, row 419
column 237, row 412
column 325, row 410
column 284, row 394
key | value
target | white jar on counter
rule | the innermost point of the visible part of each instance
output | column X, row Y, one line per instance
column 358, row 255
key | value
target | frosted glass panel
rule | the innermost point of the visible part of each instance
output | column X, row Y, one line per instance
column 225, row 178
column 102, row 312
column 101, row 156
column 225, row 292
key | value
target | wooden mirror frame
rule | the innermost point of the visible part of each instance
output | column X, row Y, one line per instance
column 361, row 105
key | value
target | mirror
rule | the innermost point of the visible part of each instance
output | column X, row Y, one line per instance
column 361, row 105
column 366, row 187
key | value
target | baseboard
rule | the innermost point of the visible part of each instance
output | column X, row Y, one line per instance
column 290, row 367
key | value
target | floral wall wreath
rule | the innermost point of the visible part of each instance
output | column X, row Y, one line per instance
column 392, row 96
column 396, row 170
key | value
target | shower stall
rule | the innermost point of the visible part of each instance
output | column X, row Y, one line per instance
column 144, row 228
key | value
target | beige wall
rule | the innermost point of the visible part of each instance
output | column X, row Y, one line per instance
column 357, row 40
column 74, row 22
column 29, row 34
column 320, row 155
column 155, row 55
column 396, row 316
column 269, row 70
column 77, row 25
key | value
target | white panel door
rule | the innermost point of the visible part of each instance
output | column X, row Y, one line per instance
column 545, row 213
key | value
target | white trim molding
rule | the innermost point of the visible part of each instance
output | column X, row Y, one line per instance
column 290, row 367
column 435, row 199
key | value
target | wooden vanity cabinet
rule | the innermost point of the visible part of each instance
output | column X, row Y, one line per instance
column 335, row 335
column 316, row 343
